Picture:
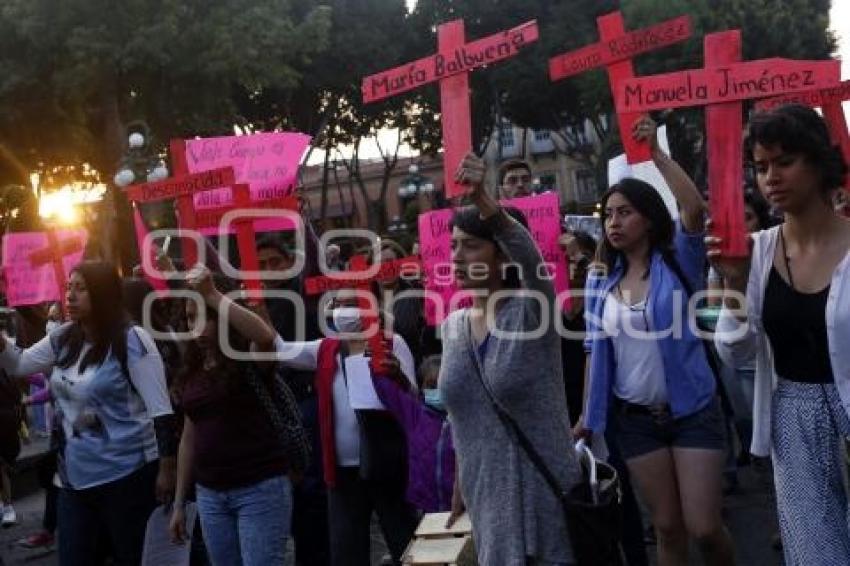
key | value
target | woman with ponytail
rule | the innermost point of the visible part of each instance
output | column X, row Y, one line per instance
column 649, row 375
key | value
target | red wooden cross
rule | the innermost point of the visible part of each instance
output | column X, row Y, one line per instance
column 244, row 227
column 54, row 254
column 721, row 86
column 615, row 52
column 829, row 100
column 181, row 187
column 359, row 280
column 450, row 67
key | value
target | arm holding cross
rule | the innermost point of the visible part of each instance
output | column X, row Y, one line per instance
column 690, row 201
column 247, row 323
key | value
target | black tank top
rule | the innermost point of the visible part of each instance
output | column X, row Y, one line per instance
column 795, row 323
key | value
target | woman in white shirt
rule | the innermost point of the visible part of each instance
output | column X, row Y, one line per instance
column 356, row 487
column 116, row 440
column 795, row 323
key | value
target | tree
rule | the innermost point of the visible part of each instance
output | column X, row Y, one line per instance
column 73, row 72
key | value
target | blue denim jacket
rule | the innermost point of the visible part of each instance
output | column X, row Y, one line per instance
column 690, row 380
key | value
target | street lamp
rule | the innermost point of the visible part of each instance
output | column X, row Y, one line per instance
column 139, row 164
column 414, row 183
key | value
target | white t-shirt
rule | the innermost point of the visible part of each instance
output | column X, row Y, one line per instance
column 304, row 356
column 640, row 368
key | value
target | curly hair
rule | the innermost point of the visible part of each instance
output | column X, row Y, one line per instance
column 800, row 130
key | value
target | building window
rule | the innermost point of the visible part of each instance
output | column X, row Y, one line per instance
column 577, row 135
column 585, row 186
column 542, row 135
column 506, row 135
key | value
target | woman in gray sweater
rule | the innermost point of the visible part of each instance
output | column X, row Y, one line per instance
column 507, row 342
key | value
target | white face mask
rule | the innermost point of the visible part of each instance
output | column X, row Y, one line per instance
column 52, row 325
column 347, row 319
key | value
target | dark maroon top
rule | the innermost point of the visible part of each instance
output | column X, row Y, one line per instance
column 235, row 444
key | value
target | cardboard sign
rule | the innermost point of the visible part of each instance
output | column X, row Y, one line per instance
column 266, row 162
column 622, row 48
column 29, row 269
column 450, row 66
column 619, row 168
column 543, row 215
column 208, row 220
column 615, row 52
column 725, row 83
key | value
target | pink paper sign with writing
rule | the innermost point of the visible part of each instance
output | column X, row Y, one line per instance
column 543, row 215
column 31, row 283
column 267, row 162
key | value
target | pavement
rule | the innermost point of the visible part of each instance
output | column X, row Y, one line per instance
column 749, row 513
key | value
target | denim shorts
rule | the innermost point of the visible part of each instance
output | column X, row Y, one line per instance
column 639, row 434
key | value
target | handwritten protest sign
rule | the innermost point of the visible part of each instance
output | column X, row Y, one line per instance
column 543, row 215
column 727, row 83
column 29, row 268
column 266, row 162
column 615, row 52
column 451, row 67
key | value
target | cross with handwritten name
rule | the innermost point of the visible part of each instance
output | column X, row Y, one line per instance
column 54, row 254
column 615, row 52
column 450, row 67
column 181, row 188
column 242, row 212
column 359, row 279
column 721, row 86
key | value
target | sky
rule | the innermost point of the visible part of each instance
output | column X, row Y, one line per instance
column 839, row 23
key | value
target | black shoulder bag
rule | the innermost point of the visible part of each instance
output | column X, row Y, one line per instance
column 593, row 514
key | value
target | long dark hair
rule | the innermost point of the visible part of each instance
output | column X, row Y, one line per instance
column 108, row 320
column 646, row 200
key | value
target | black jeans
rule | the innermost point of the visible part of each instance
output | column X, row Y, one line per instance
column 350, row 507
column 119, row 510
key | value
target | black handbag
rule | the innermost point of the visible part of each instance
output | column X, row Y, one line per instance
column 282, row 409
column 592, row 508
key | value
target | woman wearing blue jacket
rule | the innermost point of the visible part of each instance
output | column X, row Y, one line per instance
column 648, row 368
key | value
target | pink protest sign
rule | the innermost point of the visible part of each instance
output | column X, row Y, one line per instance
column 266, row 162
column 30, row 282
column 543, row 215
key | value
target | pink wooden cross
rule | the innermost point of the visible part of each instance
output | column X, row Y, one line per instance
column 181, row 187
column 244, row 228
column 721, row 86
column 615, row 52
column 451, row 67
column 54, row 254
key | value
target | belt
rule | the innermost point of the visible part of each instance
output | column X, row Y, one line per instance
column 626, row 408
